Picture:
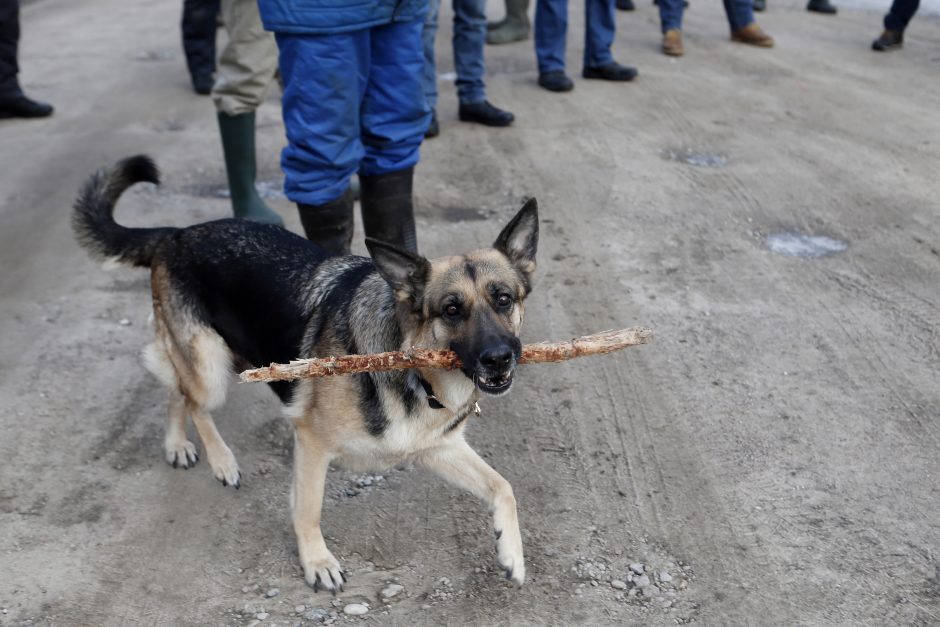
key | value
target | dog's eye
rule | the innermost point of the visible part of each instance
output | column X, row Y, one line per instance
column 451, row 311
column 504, row 300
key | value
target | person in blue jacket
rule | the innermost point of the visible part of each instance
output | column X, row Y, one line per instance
column 353, row 102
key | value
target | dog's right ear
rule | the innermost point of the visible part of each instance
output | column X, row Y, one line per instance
column 405, row 271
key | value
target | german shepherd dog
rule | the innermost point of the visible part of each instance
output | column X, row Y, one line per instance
column 233, row 293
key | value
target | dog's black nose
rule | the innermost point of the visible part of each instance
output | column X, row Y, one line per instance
column 496, row 358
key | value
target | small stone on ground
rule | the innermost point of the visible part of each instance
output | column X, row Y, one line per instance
column 355, row 609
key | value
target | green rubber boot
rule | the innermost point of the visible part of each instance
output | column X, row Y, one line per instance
column 515, row 27
column 238, row 143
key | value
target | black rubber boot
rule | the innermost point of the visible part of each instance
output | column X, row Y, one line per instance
column 330, row 225
column 238, row 143
column 388, row 209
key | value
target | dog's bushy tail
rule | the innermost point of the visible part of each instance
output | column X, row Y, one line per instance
column 93, row 218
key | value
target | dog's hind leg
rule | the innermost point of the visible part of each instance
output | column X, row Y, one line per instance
column 204, row 388
column 462, row 466
column 179, row 451
column 321, row 569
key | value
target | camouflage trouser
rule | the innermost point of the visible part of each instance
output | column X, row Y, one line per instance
column 248, row 64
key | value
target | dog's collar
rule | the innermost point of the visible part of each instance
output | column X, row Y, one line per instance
column 433, row 403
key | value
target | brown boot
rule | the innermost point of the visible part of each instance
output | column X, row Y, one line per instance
column 672, row 43
column 753, row 36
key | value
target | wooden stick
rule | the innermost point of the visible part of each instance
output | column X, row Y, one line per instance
column 597, row 344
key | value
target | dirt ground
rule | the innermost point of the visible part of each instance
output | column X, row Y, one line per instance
column 774, row 451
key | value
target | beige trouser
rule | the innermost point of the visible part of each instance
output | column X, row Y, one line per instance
column 248, row 64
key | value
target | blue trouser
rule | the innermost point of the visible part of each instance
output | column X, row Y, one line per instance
column 740, row 13
column 900, row 14
column 469, row 40
column 353, row 102
column 551, row 28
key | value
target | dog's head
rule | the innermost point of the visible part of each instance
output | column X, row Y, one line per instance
column 470, row 303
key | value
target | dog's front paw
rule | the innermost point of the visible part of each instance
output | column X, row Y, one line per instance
column 181, row 454
column 225, row 468
column 324, row 574
column 509, row 555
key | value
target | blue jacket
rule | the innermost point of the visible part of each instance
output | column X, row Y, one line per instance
column 324, row 17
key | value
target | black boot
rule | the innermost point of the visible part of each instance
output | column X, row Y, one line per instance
column 821, row 6
column 330, row 225
column 17, row 105
column 484, row 113
column 388, row 210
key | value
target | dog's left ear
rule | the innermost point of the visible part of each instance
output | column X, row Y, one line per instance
column 405, row 271
column 520, row 239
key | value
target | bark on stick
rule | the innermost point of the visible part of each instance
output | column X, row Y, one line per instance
column 542, row 352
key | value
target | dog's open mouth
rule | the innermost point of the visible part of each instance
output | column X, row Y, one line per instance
column 494, row 384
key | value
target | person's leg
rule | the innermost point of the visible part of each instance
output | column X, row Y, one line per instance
column 740, row 13
column 551, row 30
column 670, row 15
column 468, row 41
column 515, row 27
column 599, row 30
column 394, row 118
column 744, row 29
column 895, row 22
column 199, row 23
column 324, row 79
column 13, row 102
column 428, row 37
column 9, row 39
column 900, row 15
column 670, row 18
column 429, row 76
column 247, row 68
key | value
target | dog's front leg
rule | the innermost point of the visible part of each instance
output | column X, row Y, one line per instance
column 321, row 569
column 460, row 465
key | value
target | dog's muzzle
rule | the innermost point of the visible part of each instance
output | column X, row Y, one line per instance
column 495, row 369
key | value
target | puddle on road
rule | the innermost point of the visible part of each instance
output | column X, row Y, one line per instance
column 805, row 246
column 698, row 158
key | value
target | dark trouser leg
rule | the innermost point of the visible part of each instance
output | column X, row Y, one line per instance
column 551, row 29
column 200, row 19
column 670, row 14
column 599, row 29
column 469, row 37
column 900, row 14
column 740, row 13
column 9, row 37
